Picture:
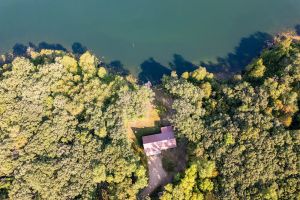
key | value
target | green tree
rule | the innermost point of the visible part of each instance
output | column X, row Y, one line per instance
column 244, row 137
column 63, row 133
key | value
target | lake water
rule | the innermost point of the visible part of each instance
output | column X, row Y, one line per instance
column 146, row 35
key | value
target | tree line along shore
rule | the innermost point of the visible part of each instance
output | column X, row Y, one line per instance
column 64, row 128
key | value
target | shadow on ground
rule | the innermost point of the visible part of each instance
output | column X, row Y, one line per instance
column 140, row 132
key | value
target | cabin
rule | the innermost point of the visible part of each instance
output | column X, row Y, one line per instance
column 154, row 144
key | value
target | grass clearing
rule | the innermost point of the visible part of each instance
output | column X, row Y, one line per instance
column 147, row 125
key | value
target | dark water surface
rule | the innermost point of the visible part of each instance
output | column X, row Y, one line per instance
column 146, row 35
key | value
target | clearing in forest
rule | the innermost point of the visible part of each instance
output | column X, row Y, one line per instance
column 156, row 116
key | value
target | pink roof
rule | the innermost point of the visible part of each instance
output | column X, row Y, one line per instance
column 166, row 134
column 153, row 144
column 167, row 130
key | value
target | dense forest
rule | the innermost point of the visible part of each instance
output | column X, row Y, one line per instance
column 244, row 134
column 63, row 129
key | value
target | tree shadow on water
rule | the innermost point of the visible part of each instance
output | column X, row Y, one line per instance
column 45, row 45
column 152, row 71
column 116, row 66
column 297, row 28
column 78, row 48
column 19, row 49
column 248, row 48
column 180, row 65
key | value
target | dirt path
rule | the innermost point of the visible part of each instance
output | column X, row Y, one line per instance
column 157, row 175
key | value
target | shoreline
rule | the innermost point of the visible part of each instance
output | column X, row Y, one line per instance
column 221, row 71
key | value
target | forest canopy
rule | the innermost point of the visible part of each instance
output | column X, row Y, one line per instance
column 62, row 133
column 248, row 126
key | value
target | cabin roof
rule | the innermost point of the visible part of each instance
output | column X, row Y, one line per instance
column 166, row 134
column 153, row 144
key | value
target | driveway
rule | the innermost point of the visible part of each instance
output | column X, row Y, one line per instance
column 157, row 175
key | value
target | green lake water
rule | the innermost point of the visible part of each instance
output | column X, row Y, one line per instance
column 146, row 36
